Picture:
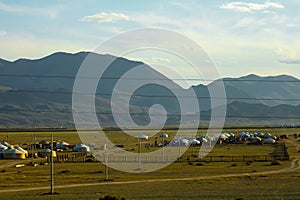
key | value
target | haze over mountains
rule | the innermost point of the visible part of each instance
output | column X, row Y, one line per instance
column 39, row 93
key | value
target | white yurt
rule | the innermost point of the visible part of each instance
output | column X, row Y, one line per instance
column 13, row 153
column 269, row 141
column 81, row 148
column 46, row 153
column 22, row 150
column 62, row 145
column 179, row 142
column 163, row 135
column 5, row 144
column 194, row 142
column 143, row 137
column 2, row 147
column 202, row 139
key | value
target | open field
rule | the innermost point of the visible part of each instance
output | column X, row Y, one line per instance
column 180, row 180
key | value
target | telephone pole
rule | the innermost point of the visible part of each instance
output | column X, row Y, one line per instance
column 51, row 168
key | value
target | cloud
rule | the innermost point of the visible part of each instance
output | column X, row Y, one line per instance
column 287, row 56
column 3, row 33
column 290, row 61
column 151, row 60
column 250, row 7
column 51, row 12
column 105, row 17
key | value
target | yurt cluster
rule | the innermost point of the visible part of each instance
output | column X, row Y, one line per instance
column 226, row 138
column 41, row 149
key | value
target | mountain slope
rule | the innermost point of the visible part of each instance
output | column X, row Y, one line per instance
column 279, row 88
column 39, row 93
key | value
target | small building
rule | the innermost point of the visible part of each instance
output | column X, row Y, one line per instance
column 11, row 153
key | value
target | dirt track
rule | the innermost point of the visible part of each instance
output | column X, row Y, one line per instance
column 293, row 167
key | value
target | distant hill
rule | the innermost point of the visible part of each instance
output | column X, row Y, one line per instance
column 39, row 93
column 273, row 90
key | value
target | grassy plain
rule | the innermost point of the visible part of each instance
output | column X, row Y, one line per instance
column 207, row 180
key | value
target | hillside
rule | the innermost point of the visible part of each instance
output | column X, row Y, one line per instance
column 39, row 93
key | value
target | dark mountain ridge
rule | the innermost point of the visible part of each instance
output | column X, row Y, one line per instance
column 39, row 92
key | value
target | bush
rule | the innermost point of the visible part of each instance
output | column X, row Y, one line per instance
column 108, row 197
column 199, row 164
column 233, row 165
column 65, row 171
column 276, row 162
column 190, row 163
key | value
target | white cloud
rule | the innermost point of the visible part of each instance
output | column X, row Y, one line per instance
column 250, row 7
column 105, row 17
column 51, row 12
column 290, row 61
column 33, row 48
column 151, row 60
column 3, row 33
column 292, row 25
column 287, row 56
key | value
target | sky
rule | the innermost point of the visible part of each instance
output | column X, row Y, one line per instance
column 240, row 37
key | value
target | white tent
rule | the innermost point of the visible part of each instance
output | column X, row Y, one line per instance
column 22, row 150
column 5, row 144
column 47, row 153
column 223, row 136
column 163, row 135
column 179, row 142
column 202, row 139
column 61, row 145
column 81, row 148
column 194, row 142
column 13, row 153
column 2, row 147
column 143, row 137
column 269, row 141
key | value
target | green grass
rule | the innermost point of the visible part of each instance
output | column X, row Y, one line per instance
column 277, row 186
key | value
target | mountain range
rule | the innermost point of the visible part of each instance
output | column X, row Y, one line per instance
column 39, row 93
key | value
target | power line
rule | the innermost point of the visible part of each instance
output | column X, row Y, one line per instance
column 147, row 78
column 146, row 114
column 152, row 96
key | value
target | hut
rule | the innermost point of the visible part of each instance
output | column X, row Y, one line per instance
column 81, row 148
column 22, row 150
column 45, row 153
column 2, row 147
column 13, row 153
column 62, row 145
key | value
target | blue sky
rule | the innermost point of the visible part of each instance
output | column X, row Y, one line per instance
column 241, row 37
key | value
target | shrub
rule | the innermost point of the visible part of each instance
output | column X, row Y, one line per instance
column 108, row 197
column 199, row 164
column 65, row 171
column 276, row 162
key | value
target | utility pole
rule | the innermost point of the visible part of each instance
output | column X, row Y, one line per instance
column 163, row 150
column 106, row 160
column 51, row 168
column 139, row 153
